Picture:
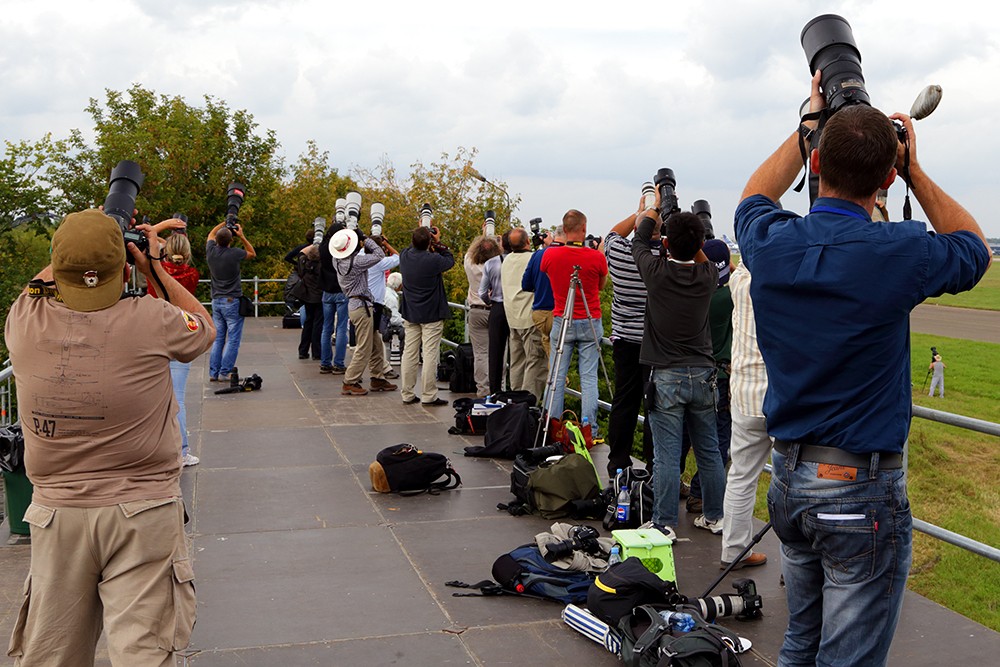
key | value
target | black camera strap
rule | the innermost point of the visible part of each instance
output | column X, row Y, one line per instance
column 810, row 136
column 39, row 289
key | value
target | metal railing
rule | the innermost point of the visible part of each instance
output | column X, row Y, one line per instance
column 960, row 421
column 7, row 411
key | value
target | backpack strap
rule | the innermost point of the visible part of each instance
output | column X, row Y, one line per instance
column 486, row 588
column 657, row 628
column 451, row 481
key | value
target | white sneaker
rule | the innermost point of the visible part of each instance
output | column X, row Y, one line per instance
column 191, row 460
column 714, row 526
column 666, row 530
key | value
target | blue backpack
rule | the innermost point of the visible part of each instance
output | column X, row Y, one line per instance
column 525, row 572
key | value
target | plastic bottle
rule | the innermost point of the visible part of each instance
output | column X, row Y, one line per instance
column 615, row 557
column 678, row 620
column 623, row 503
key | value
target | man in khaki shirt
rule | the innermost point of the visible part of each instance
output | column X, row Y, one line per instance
column 102, row 448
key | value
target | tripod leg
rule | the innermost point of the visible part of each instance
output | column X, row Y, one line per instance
column 753, row 541
column 542, row 435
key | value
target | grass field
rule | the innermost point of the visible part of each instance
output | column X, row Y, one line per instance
column 984, row 296
column 953, row 479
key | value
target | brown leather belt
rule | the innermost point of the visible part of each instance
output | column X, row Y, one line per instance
column 478, row 307
column 839, row 457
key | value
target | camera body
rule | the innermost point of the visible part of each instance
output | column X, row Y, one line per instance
column 537, row 235
column 581, row 538
column 234, row 200
column 592, row 241
column 745, row 604
column 123, row 187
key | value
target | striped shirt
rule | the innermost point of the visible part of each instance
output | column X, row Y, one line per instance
column 748, row 378
column 628, row 301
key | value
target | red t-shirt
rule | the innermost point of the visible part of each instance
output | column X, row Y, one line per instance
column 558, row 263
column 185, row 274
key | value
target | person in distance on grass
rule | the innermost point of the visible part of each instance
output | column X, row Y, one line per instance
column 829, row 286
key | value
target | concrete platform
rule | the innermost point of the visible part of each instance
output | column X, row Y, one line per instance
column 299, row 563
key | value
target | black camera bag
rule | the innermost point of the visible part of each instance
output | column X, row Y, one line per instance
column 509, row 431
column 406, row 470
column 461, row 378
column 626, row 585
column 640, row 488
column 647, row 641
column 467, row 423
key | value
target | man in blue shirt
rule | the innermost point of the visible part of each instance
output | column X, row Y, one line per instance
column 830, row 286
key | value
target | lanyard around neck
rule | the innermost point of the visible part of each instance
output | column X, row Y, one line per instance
column 841, row 211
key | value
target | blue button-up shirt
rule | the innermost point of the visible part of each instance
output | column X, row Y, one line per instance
column 832, row 294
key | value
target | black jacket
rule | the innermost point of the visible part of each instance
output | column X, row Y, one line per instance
column 424, row 298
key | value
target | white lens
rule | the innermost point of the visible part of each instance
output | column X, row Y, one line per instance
column 377, row 214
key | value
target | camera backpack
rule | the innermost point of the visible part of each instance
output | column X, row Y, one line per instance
column 524, row 571
column 509, row 431
column 406, row 470
column 647, row 641
column 555, row 490
column 446, row 366
column 639, row 483
column 626, row 585
column 470, row 416
column 462, row 378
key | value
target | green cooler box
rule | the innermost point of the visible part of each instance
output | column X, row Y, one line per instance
column 650, row 546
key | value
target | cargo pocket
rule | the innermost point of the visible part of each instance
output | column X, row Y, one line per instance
column 16, row 647
column 179, row 618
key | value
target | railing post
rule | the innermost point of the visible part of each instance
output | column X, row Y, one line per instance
column 256, row 296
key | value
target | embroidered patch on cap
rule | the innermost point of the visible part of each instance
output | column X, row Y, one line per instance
column 191, row 322
column 90, row 278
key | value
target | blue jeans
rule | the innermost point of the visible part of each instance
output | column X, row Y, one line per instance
column 846, row 548
column 685, row 394
column 179, row 375
column 228, row 332
column 579, row 335
column 334, row 307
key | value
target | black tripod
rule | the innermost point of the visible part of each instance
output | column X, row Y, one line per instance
column 753, row 541
column 574, row 284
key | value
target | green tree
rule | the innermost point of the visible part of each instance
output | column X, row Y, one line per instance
column 26, row 197
column 188, row 154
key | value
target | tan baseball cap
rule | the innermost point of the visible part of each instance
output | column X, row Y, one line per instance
column 88, row 256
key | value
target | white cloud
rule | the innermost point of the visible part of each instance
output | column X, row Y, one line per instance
column 573, row 104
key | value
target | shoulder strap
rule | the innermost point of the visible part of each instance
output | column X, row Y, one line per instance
column 452, row 480
column 657, row 627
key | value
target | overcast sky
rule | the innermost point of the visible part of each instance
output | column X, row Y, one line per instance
column 574, row 105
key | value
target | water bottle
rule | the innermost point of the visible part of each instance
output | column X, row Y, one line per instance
column 678, row 620
column 623, row 503
column 615, row 557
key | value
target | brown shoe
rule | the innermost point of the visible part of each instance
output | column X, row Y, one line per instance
column 378, row 384
column 354, row 389
column 753, row 560
column 694, row 504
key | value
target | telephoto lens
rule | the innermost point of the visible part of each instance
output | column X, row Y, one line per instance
column 648, row 195
column 234, row 199
column 319, row 226
column 377, row 216
column 490, row 226
column 665, row 183
column 703, row 210
column 426, row 215
column 123, row 187
column 353, row 209
column 183, row 218
column 829, row 46
column 340, row 211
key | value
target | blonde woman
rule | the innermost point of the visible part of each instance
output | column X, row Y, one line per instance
column 177, row 262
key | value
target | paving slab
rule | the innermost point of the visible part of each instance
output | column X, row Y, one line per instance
column 305, row 586
column 268, row 448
